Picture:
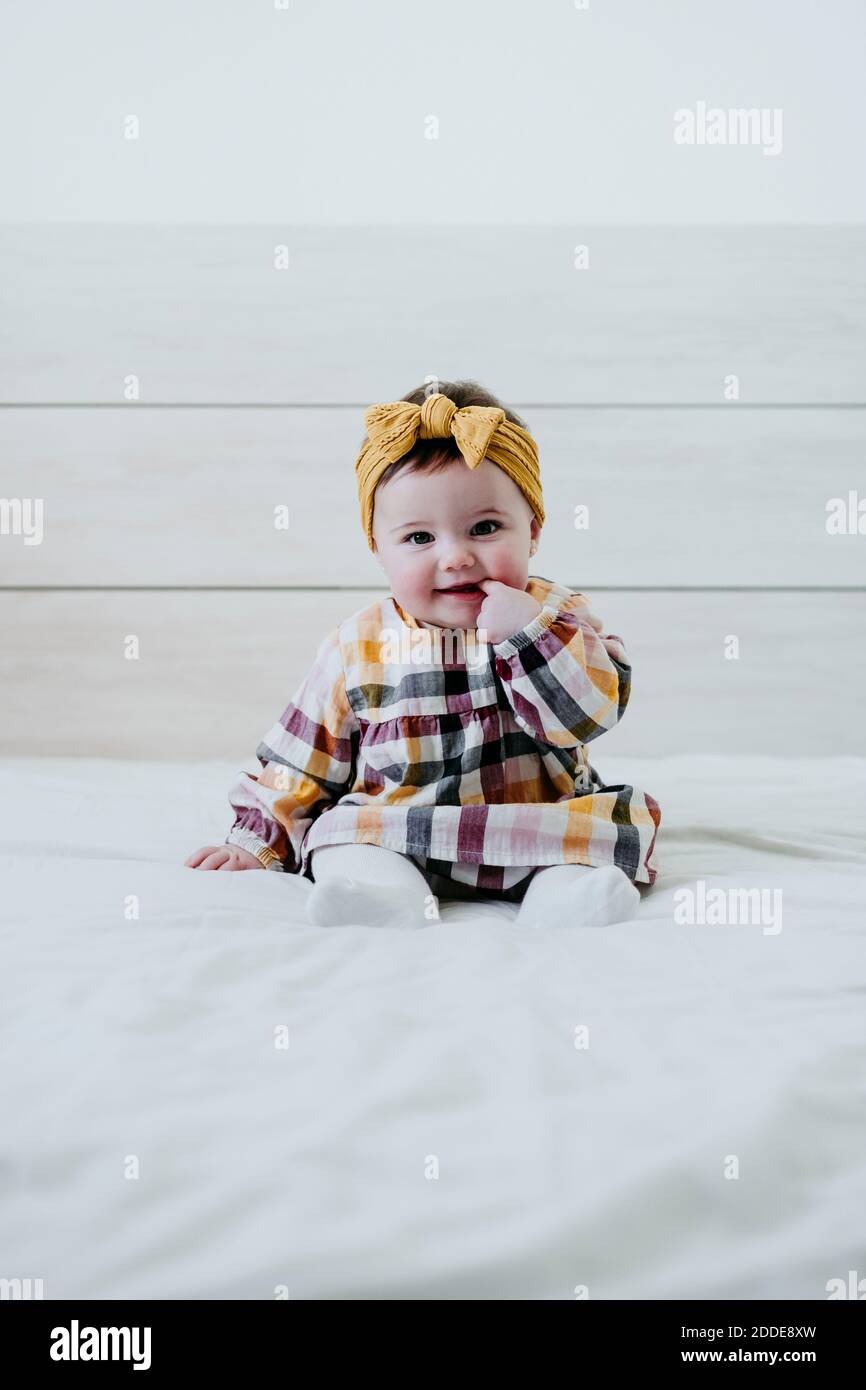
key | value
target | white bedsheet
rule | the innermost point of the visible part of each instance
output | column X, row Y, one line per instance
column 309, row 1167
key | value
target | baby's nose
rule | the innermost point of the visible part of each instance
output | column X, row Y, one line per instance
column 457, row 554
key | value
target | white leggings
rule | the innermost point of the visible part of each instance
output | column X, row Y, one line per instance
column 397, row 893
column 382, row 868
column 387, row 869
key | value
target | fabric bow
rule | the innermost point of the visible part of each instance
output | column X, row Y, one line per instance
column 397, row 426
column 480, row 432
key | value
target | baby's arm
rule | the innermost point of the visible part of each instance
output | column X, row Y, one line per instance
column 565, row 680
column 307, row 761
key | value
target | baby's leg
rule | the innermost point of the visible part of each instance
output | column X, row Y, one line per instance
column 367, row 886
column 578, row 895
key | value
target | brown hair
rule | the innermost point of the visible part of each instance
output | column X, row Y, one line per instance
column 435, row 454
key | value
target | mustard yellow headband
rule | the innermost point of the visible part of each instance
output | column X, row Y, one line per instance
column 480, row 431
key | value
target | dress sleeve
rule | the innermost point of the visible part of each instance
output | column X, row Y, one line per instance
column 307, row 762
column 566, row 681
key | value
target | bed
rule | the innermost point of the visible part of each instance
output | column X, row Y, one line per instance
column 210, row 1098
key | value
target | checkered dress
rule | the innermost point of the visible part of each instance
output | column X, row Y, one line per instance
column 468, row 759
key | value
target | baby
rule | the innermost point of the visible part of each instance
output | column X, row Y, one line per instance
column 436, row 746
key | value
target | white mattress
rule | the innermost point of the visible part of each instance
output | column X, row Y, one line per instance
column 309, row 1168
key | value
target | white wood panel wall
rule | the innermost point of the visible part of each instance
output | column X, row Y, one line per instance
column 661, row 314
column 253, row 382
column 674, row 497
column 216, row 670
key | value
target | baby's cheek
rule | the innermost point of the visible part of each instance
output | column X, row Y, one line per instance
column 517, row 577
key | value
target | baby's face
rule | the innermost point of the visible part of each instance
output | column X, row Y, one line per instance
column 455, row 526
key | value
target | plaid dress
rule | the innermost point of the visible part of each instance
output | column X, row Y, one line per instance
column 467, row 758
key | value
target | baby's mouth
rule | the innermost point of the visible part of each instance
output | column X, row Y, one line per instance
column 461, row 589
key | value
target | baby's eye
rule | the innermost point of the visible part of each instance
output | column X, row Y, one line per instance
column 488, row 521
column 413, row 534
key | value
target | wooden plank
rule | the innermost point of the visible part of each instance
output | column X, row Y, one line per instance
column 660, row 314
column 215, row 671
column 187, row 497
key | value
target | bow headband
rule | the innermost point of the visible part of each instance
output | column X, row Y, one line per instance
column 480, row 431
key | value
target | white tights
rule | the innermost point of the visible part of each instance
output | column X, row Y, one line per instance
column 366, row 885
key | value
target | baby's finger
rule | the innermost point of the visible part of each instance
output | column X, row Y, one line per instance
column 215, row 860
column 198, row 855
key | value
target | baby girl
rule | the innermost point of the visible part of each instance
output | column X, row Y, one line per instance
column 390, row 781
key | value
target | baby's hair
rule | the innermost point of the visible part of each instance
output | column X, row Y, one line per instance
column 435, row 454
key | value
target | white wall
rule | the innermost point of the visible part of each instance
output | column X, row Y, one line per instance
column 262, row 128
column 316, row 113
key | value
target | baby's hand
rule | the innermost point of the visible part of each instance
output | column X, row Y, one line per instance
column 504, row 610
column 222, row 857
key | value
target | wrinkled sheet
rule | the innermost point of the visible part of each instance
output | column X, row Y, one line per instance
column 215, row 1099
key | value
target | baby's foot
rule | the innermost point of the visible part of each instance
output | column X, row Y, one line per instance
column 596, row 898
column 342, row 902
